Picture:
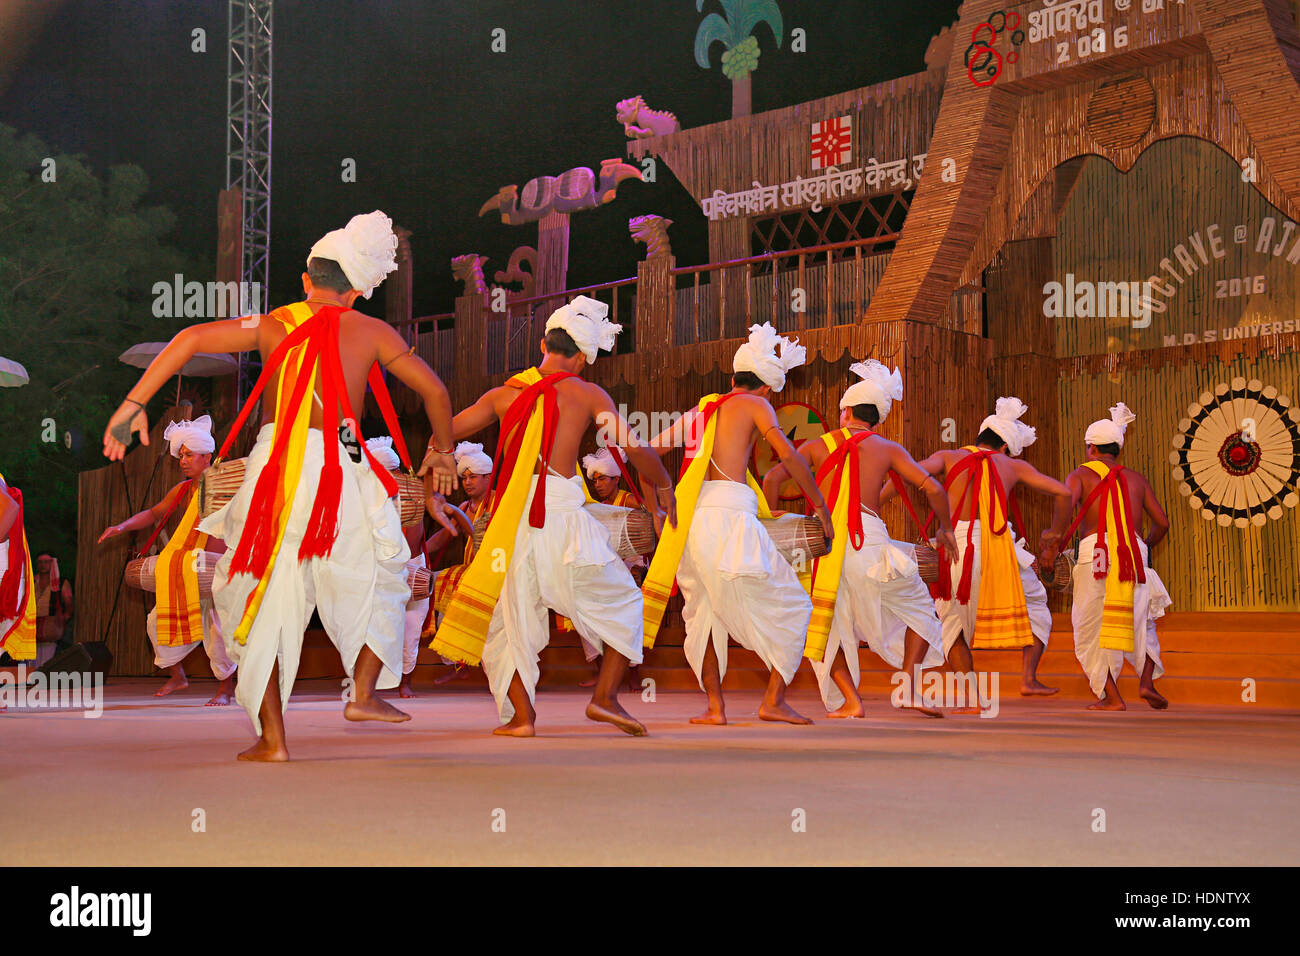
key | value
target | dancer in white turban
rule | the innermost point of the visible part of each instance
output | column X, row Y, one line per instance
column 553, row 552
column 188, row 619
column 1117, row 594
column 868, row 589
column 989, row 595
column 733, row 580
column 308, row 528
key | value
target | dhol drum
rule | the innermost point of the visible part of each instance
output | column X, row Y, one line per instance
column 799, row 538
column 421, row 580
column 927, row 562
column 631, row 531
column 1062, row 576
column 220, row 482
column 140, row 572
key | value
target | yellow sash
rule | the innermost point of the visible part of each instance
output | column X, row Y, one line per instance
column 179, row 620
column 658, row 586
column 448, row 579
column 1001, row 617
column 1117, row 606
column 464, row 627
column 299, row 419
column 20, row 642
column 824, row 584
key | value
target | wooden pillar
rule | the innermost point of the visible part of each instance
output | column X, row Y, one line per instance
column 655, row 305
column 397, row 288
column 230, row 264
column 471, row 371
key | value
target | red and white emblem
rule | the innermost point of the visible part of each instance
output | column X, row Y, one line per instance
column 832, row 142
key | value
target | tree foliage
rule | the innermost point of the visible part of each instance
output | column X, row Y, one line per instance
column 79, row 256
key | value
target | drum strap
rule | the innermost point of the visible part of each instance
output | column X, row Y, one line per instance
column 163, row 523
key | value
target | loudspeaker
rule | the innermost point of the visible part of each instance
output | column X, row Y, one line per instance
column 92, row 657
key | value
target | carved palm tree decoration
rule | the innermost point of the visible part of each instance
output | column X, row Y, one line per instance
column 740, row 47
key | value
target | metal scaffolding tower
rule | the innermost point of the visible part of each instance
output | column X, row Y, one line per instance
column 248, row 147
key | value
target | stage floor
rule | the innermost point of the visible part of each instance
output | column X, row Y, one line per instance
column 1188, row 786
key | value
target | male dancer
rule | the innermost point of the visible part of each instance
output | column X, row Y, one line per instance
column 1117, row 594
column 998, row 601
column 733, row 579
column 868, row 589
column 553, row 554
column 309, row 527
column 187, row 620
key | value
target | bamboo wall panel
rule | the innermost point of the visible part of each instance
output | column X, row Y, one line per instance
column 1052, row 129
column 1206, row 567
column 891, row 121
column 1119, row 227
column 1024, row 363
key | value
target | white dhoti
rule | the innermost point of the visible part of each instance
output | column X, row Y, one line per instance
column 359, row 590
column 416, row 612
column 881, row 595
column 567, row 566
column 734, row 582
column 213, row 643
column 959, row 619
column 1149, row 602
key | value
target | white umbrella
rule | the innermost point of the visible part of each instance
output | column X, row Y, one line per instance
column 202, row 365
column 12, row 374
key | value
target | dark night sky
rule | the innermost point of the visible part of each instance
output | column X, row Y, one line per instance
column 435, row 121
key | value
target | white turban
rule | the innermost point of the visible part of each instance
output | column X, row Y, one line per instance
column 1111, row 430
column 601, row 463
column 879, row 387
column 1006, row 424
column 195, row 435
column 471, row 458
column 366, row 250
column 759, row 355
column 382, row 450
column 584, row 320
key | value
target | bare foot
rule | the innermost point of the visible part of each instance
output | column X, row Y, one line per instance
column 451, row 675
column 220, row 699
column 263, row 752
column 849, row 709
column 375, row 708
column 1035, row 688
column 1153, row 697
column 404, row 689
column 783, row 713
column 927, row 711
column 1107, row 703
column 616, row 715
column 519, row 726
column 717, row 717
column 173, row 683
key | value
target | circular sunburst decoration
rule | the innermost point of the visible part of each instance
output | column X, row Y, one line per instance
column 1237, row 454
